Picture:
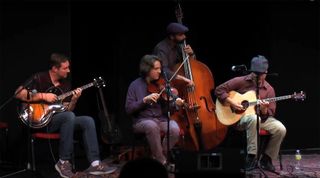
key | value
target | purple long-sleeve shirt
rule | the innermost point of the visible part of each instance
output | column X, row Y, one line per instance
column 135, row 106
column 242, row 85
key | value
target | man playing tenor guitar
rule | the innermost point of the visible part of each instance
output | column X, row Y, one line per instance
column 44, row 87
column 243, row 84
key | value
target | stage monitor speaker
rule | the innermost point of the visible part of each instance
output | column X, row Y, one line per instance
column 222, row 162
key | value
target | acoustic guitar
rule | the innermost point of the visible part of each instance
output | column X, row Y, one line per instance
column 228, row 116
column 38, row 115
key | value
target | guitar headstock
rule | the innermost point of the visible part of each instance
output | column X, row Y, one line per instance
column 299, row 96
column 179, row 13
column 99, row 82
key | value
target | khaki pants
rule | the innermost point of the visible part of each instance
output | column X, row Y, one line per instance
column 272, row 125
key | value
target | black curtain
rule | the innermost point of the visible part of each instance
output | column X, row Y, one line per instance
column 108, row 38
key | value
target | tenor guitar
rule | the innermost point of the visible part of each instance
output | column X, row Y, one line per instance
column 38, row 115
column 228, row 116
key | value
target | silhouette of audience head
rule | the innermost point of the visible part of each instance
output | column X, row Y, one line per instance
column 143, row 168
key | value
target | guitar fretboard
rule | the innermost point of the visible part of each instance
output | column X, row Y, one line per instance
column 271, row 99
column 63, row 96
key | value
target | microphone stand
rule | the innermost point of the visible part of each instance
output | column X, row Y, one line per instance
column 24, row 86
column 258, row 126
column 169, row 95
column 167, row 89
column 258, row 111
column 29, row 168
column 244, row 71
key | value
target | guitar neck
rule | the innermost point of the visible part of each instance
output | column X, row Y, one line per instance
column 274, row 99
column 65, row 95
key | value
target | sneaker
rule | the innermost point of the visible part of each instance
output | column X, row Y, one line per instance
column 65, row 169
column 250, row 162
column 170, row 167
column 101, row 169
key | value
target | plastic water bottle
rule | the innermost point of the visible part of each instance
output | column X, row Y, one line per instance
column 297, row 166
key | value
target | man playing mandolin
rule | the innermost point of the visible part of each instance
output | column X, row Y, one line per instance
column 45, row 87
column 242, row 85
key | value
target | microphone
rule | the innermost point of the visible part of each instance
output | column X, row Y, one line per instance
column 30, row 93
column 33, row 92
column 239, row 68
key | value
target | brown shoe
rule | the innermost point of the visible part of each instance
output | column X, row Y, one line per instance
column 65, row 169
column 101, row 169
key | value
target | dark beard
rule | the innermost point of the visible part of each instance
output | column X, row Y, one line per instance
column 179, row 42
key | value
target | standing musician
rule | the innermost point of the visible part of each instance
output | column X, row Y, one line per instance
column 149, row 110
column 243, row 84
column 169, row 50
column 66, row 122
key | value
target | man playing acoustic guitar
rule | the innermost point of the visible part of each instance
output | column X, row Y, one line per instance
column 243, row 84
column 44, row 83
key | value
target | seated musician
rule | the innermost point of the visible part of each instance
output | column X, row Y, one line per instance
column 149, row 111
column 243, row 84
column 64, row 122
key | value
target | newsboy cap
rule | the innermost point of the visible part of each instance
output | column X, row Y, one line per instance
column 174, row 28
column 259, row 64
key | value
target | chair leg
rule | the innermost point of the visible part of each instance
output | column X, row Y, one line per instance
column 4, row 146
column 133, row 146
column 280, row 161
column 73, row 162
column 33, row 160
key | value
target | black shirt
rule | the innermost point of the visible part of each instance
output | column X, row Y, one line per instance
column 41, row 82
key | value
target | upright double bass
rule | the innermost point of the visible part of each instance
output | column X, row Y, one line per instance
column 199, row 122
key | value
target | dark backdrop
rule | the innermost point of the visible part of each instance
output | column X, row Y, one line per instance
column 30, row 32
column 108, row 38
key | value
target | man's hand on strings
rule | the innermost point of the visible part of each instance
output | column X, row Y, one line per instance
column 49, row 97
column 189, row 82
column 179, row 102
column 264, row 106
column 152, row 98
column 188, row 50
column 235, row 105
column 76, row 94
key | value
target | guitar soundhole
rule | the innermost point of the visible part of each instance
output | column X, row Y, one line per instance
column 245, row 104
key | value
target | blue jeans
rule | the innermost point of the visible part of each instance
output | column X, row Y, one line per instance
column 67, row 123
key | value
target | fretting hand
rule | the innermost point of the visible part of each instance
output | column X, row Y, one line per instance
column 264, row 106
column 76, row 94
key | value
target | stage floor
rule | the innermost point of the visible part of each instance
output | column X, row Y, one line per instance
column 310, row 167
